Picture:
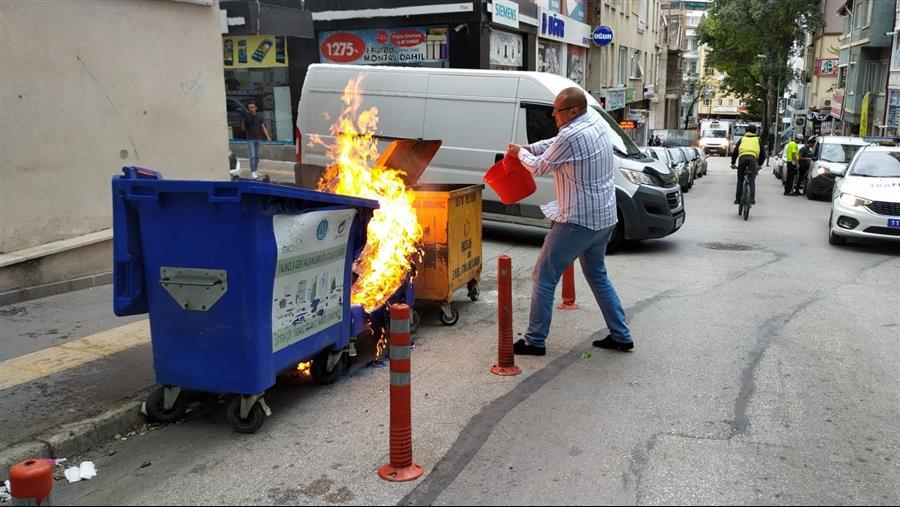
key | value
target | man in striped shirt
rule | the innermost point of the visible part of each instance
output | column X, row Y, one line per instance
column 580, row 158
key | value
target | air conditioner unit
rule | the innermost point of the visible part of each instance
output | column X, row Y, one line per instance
column 826, row 103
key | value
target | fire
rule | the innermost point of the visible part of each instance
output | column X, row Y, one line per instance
column 303, row 368
column 394, row 232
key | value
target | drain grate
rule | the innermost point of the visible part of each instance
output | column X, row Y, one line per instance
column 735, row 247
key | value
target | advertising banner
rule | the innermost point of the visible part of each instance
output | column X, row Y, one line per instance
column 254, row 51
column 575, row 67
column 307, row 296
column 385, row 46
column 506, row 49
column 827, row 67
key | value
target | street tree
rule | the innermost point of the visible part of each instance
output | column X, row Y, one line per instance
column 737, row 31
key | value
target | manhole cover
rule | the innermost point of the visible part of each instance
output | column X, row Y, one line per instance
column 728, row 246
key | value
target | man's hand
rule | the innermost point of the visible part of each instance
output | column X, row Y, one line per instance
column 514, row 149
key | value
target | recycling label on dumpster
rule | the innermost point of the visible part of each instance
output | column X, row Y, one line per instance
column 307, row 296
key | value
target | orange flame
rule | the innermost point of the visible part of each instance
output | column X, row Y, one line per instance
column 303, row 369
column 394, row 232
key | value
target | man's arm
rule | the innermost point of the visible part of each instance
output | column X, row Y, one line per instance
column 265, row 130
column 540, row 147
column 552, row 158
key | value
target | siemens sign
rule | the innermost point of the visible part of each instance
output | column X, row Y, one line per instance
column 602, row 36
column 552, row 26
column 506, row 13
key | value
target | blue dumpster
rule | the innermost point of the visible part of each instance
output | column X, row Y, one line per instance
column 241, row 280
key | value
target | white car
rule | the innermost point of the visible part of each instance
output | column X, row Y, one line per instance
column 866, row 198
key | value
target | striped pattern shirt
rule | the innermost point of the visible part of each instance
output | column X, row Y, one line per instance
column 581, row 160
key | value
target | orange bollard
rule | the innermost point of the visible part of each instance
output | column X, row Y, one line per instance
column 401, row 467
column 568, row 292
column 506, row 360
column 31, row 481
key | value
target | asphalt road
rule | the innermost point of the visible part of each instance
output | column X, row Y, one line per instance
column 765, row 372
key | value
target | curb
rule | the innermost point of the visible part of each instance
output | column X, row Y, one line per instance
column 76, row 438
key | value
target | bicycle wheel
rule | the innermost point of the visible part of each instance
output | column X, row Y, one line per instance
column 746, row 211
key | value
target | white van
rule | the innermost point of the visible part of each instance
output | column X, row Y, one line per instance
column 476, row 114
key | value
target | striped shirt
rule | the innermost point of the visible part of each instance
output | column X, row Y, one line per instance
column 581, row 160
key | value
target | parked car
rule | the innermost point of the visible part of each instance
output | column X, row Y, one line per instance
column 682, row 168
column 865, row 202
column 779, row 165
column 662, row 154
column 830, row 158
column 701, row 162
column 692, row 163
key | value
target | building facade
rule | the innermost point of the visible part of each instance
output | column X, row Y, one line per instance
column 818, row 80
column 865, row 51
column 626, row 75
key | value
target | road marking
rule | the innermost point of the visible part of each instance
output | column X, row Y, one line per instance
column 23, row 369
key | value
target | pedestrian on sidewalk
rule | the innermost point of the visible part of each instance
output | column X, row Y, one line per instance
column 580, row 158
column 803, row 165
column 254, row 128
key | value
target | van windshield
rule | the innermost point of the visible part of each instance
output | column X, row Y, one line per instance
column 620, row 140
column 714, row 133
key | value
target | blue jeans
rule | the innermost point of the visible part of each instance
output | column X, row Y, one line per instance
column 253, row 147
column 563, row 244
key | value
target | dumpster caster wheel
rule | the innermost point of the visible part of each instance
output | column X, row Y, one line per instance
column 449, row 320
column 327, row 367
column 473, row 290
column 252, row 423
column 156, row 407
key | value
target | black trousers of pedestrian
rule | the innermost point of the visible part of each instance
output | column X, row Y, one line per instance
column 790, row 178
column 800, row 180
column 749, row 164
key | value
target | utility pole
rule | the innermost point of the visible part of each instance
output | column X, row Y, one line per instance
column 777, row 119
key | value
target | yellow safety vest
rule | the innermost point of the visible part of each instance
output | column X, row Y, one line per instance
column 749, row 145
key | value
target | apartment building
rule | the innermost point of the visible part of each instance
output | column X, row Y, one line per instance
column 627, row 75
column 818, row 80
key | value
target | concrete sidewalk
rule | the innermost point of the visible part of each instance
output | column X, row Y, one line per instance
column 71, row 374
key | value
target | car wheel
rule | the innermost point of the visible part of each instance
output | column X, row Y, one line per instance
column 834, row 239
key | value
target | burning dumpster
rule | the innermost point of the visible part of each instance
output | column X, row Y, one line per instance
column 241, row 280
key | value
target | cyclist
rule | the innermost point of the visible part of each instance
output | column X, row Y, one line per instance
column 751, row 154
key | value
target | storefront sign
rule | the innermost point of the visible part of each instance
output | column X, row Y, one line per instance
column 893, row 116
column 629, row 95
column 506, row 49
column 602, row 36
column 638, row 115
column 725, row 109
column 506, row 13
column 628, row 124
column 563, row 28
column 827, row 67
column 405, row 45
column 615, row 99
column 254, row 51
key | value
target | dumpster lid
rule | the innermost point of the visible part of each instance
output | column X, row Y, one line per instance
column 409, row 155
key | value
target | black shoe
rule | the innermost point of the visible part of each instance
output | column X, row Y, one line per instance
column 609, row 343
column 523, row 348
column 752, row 201
column 737, row 201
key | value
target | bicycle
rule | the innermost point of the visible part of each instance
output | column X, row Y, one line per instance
column 745, row 201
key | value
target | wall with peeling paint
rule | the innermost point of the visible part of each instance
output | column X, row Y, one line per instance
column 90, row 86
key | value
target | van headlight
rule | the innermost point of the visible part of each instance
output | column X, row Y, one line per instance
column 853, row 201
column 638, row 177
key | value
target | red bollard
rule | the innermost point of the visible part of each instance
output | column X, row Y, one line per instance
column 568, row 292
column 506, row 360
column 401, row 468
column 31, row 481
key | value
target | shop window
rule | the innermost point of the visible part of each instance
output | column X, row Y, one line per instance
column 256, row 70
column 539, row 122
column 623, row 64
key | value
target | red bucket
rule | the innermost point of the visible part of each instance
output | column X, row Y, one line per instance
column 510, row 180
